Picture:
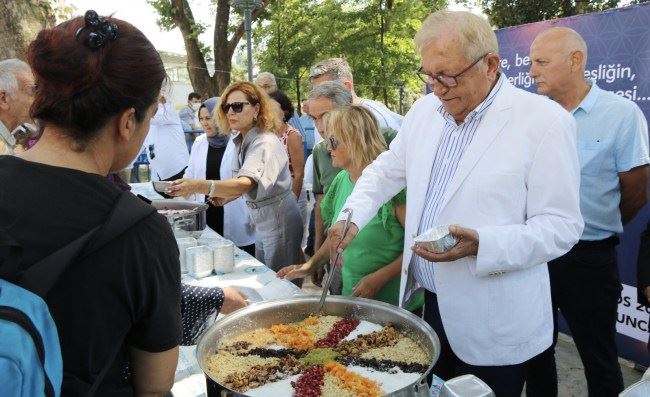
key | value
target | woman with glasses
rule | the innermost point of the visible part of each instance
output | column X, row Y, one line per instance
column 260, row 171
column 211, row 159
column 373, row 260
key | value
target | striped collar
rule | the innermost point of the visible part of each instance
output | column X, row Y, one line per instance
column 482, row 107
column 5, row 134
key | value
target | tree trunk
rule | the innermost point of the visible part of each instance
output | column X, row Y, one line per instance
column 298, row 95
column 223, row 49
column 20, row 22
column 196, row 66
column 221, row 77
column 582, row 6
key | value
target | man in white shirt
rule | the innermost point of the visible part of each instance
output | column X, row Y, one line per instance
column 498, row 163
column 17, row 90
column 338, row 69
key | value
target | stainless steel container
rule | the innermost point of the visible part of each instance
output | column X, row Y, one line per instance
column 188, row 224
column 265, row 314
column 466, row 386
column 437, row 239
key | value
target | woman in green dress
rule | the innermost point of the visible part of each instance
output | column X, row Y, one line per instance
column 373, row 260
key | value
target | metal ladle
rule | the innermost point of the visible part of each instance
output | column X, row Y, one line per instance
column 330, row 272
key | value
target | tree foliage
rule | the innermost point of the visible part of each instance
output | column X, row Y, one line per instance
column 504, row 13
column 375, row 36
column 229, row 29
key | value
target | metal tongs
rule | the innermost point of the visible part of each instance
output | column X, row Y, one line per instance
column 330, row 271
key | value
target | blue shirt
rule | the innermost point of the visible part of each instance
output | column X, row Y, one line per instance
column 295, row 122
column 187, row 118
column 308, row 124
column 612, row 137
column 453, row 142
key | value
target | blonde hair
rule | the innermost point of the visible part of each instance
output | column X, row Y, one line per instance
column 266, row 121
column 474, row 32
column 357, row 128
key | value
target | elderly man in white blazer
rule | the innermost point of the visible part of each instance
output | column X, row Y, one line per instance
column 501, row 165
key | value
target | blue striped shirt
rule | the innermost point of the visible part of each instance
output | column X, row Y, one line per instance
column 453, row 142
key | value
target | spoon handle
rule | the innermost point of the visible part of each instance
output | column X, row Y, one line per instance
column 330, row 270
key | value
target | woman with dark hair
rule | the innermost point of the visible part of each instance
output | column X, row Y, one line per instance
column 260, row 173
column 292, row 141
column 117, row 305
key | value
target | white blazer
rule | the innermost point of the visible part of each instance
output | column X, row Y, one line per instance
column 237, row 224
column 517, row 185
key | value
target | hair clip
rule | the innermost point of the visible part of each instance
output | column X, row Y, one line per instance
column 101, row 30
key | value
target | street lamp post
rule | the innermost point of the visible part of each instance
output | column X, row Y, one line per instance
column 247, row 6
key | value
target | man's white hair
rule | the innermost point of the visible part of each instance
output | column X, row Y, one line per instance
column 8, row 70
column 474, row 32
column 266, row 75
column 337, row 68
column 333, row 90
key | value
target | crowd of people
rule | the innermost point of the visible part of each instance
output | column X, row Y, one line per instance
column 536, row 186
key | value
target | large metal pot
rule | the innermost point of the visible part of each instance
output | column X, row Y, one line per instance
column 189, row 224
column 265, row 314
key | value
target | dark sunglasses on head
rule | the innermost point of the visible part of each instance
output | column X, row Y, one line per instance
column 332, row 143
column 236, row 107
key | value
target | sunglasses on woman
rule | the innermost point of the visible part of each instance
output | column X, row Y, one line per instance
column 236, row 107
column 332, row 143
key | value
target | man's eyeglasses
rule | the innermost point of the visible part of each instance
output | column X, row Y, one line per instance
column 236, row 107
column 320, row 116
column 444, row 80
column 332, row 143
column 31, row 89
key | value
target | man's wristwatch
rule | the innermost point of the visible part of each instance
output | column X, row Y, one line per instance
column 213, row 188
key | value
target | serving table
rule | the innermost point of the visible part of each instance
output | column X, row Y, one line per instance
column 249, row 275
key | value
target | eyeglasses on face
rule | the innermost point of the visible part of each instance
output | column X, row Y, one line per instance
column 236, row 107
column 443, row 79
column 31, row 89
column 332, row 143
column 319, row 117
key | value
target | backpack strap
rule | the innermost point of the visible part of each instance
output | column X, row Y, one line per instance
column 19, row 318
column 118, row 222
column 42, row 276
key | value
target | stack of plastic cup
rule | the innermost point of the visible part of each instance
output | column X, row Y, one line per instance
column 224, row 256
column 200, row 261
column 210, row 239
column 183, row 244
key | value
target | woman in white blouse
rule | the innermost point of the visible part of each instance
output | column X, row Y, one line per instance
column 211, row 158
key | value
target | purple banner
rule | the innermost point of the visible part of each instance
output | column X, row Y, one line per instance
column 618, row 44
